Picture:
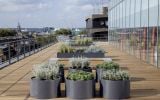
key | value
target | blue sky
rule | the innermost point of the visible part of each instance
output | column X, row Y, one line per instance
column 42, row 13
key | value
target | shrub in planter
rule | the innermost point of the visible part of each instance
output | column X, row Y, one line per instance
column 79, row 63
column 45, row 81
column 116, row 84
column 80, row 85
column 66, row 49
column 94, row 49
column 105, row 66
column 83, row 42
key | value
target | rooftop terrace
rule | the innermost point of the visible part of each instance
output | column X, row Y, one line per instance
column 14, row 79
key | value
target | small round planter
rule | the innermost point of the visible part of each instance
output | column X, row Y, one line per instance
column 80, row 89
column 44, row 89
column 116, row 89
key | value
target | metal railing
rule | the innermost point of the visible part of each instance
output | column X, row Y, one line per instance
column 11, row 52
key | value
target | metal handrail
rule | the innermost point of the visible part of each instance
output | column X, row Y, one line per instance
column 16, row 50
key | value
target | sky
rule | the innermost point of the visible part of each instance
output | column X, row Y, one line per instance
column 47, row 13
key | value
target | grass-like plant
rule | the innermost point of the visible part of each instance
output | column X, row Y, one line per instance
column 80, row 75
column 79, row 62
column 46, row 71
column 83, row 42
column 115, row 75
column 94, row 49
column 108, row 65
column 66, row 49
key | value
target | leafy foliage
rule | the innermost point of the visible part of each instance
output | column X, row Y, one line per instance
column 46, row 71
column 108, row 65
column 94, row 49
column 66, row 49
column 83, row 42
column 115, row 75
column 63, row 31
column 80, row 75
column 7, row 32
column 79, row 62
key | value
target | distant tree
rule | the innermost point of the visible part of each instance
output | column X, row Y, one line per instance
column 7, row 32
column 63, row 31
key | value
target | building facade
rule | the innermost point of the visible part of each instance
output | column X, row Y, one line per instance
column 97, row 25
column 134, row 27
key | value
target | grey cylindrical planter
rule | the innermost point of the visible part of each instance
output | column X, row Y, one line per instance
column 116, row 89
column 98, row 74
column 44, row 89
column 80, row 89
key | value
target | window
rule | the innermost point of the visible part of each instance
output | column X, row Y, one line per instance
column 153, row 12
column 144, row 13
column 137, row 13
column 127, row 13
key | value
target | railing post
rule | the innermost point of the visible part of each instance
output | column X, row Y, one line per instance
column 24, row 48
column 18, row 50
column 29, row 41
column 9, row 53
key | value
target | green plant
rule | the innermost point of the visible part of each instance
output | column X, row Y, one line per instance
column 108, row 65
column 115, row 75
column 84, row 41
column 66, row 49
column 46, row 71
column 80, row 75
column 79, row 62
column 94, row 49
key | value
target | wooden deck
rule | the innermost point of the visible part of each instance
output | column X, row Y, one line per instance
column 145, row 85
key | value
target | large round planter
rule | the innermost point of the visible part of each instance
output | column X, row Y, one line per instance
column 116, row 89
column 44, row 89
column 80, row 89
column 98, row 74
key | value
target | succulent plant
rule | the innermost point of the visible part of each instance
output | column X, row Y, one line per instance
column 115, row 75
column 94, row 49
column 80, row 75
column 79, row 62
column 108, row 65
column 46, row 71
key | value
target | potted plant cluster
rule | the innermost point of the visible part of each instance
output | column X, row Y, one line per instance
column 45, row 82
column 80, row 63
column 110, row 65
column 80, row 85
column 116, row 84
column 92, row 51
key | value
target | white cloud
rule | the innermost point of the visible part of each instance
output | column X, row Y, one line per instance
column 35, row 13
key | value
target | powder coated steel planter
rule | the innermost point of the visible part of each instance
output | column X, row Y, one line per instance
column 44, row 89
column 80, row 89
column 88, row 55
column 116, row 89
